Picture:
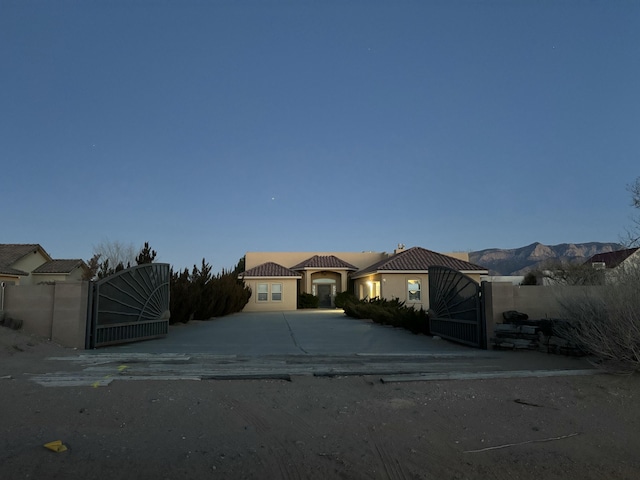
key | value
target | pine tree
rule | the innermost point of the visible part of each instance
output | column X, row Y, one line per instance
column 146, row 255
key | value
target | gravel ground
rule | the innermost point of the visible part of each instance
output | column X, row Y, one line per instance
column 583, row 427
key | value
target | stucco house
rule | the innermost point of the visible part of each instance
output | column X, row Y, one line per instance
column 30, row 264
column 276, row 278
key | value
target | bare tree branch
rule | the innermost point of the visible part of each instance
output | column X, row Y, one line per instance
column 117, row 253
column 607, row 324
column 631, row 237
column 634, row 189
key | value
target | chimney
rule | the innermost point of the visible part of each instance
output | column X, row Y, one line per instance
column 399, row 249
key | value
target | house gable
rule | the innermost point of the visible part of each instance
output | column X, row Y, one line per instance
column 17, row 261
column 330, row 262
column 271, row 270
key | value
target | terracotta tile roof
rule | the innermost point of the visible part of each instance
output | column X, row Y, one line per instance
column 324, row 261
column 612, row 259
column 419, row 259
column 270, row 269
column 59, row 266
column 12, row 252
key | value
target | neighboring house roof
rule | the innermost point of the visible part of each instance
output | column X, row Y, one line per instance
column 11, row 271
column 612, row 259
column 418, row 259
column 270, row 269
column 324, row 261
column 12, row 252
column 60, row 266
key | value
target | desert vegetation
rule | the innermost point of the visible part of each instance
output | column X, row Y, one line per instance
column 607, row 324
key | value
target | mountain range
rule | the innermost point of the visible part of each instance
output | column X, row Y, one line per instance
column 520, row 261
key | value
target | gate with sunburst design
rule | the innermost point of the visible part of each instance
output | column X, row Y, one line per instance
column 131, row 305
column 456, row 309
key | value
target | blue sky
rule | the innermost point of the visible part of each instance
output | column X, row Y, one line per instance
column 212, row 128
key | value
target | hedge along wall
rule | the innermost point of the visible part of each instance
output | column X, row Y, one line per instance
column 57, row 311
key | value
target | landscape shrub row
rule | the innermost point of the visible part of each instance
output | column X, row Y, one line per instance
column 201, row 295
column 389, row 312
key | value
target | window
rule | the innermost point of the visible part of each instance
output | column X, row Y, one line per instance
column 413, row 287
column 263, row 292
column 276, row 292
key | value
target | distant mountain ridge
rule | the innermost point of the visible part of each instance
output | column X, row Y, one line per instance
column 520, row 261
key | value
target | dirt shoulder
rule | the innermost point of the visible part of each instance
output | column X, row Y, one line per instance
column 22, row 352
column 353, row 427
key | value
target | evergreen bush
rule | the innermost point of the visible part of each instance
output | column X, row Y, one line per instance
column 307, row 300
column 389, row 312
column 343, row 297
column 201, row 295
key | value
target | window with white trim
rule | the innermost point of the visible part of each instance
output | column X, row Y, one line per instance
column 413, row 290
column 263, row 292
column 276, row 292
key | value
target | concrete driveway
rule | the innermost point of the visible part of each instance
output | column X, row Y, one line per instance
column 302, row 332
column 283, row 345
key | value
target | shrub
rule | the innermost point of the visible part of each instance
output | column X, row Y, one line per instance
column 343, row 297
column 389, row 312
column 9, row 322
column 201, row 295
column 307, row 300
column 607, row 324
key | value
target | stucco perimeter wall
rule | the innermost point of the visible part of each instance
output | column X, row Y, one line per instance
column 57, row 312
column 538, row 302
column 289, row 295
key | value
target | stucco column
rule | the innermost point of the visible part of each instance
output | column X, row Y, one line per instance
column 307, row 281
column 343, row 281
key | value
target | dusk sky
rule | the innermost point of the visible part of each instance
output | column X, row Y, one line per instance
column 213, row 128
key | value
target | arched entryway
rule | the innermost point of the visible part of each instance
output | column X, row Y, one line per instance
column 324, row 276
column 325, row 289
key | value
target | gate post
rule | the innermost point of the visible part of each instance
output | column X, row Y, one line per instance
column 487, row 312
column 90, row 316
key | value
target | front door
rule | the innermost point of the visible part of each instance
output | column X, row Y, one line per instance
column 324, row 294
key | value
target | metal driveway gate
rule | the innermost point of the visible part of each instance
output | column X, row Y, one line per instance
column 455, row 307
column 130, row 305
